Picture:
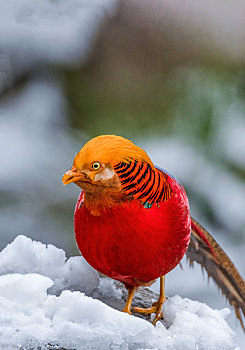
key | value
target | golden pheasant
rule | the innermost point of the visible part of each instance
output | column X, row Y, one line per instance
column 133, row 224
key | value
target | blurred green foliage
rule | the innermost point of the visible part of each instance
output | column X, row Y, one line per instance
column 187, row 102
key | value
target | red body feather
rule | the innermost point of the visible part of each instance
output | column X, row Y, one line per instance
column 134, row 244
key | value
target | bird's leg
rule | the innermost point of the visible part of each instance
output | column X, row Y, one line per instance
column 127, row 307
column 160, row 302
column 157, row 306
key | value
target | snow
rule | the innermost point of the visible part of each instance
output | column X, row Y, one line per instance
column 50, row 31
column 24, row 256
column 108, row 288
column 31, row 315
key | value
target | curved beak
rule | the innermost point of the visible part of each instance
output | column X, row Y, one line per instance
column 72, row 176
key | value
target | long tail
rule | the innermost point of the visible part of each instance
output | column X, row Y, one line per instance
column 204, row 250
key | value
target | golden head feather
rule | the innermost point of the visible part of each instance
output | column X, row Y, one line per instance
column 110, row 149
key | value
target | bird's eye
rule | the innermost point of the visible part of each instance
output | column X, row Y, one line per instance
column 96, row 166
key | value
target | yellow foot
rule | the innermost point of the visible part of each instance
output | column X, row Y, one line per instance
column 127, row 310
column 155, row 309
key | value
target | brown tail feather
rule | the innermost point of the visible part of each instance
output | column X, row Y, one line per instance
column 204, row 250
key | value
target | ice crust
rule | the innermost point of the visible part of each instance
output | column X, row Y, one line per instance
column 31, row 315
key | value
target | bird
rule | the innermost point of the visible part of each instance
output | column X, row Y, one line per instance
column 132, row 223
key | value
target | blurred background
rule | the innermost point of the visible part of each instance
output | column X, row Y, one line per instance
column 169, row 75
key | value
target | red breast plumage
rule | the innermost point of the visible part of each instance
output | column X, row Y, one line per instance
column 137, row 240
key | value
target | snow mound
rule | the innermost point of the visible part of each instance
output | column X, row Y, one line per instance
column 26, row 256
column 30, row 316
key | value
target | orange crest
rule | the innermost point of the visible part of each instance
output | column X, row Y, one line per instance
column 110, row 149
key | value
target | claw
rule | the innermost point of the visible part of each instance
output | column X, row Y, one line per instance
column 158, row 317
column 156, row 306
column 155, row 309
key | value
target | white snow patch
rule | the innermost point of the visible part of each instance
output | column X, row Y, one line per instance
column 26, row 256
column 108, row 288
column 50, row 31
column 31, row 317
column 232, row 136
column 183, row 313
